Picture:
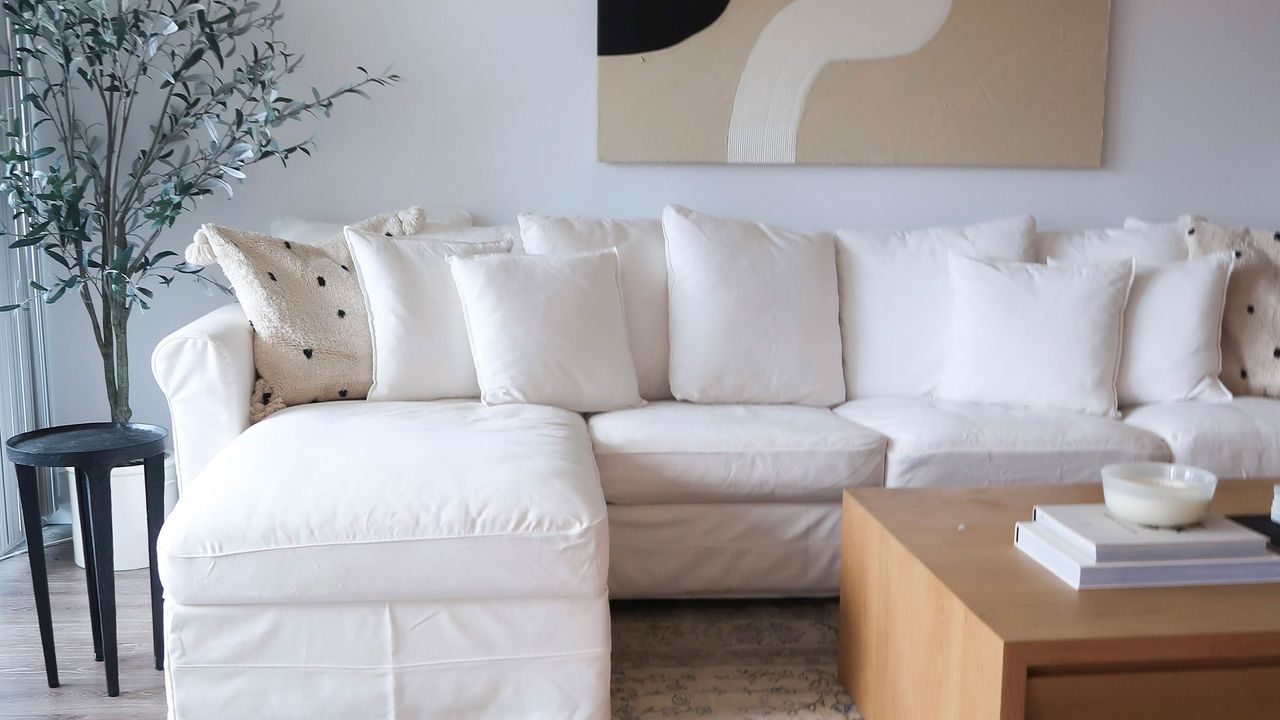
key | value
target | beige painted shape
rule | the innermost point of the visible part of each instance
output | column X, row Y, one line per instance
column 674, row 105
column 1005, row 82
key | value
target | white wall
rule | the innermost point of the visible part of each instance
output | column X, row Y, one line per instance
column 497, row 114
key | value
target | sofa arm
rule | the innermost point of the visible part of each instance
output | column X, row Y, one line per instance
column 206, row 372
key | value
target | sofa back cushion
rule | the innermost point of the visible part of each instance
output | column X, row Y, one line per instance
column 754, row 312
column 1150, row 244
column 895, row 302
column 1035, row 335
column 419, row 333
column 548, row 330
column 642, row 258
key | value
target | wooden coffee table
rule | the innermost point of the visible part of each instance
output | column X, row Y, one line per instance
column 941, row 617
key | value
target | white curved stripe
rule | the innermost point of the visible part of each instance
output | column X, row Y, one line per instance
column 794, row 47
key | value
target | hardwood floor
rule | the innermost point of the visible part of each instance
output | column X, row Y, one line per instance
column 83, row 694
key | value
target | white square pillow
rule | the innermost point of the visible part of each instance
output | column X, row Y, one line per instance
column 754, row 313
column 548, row 330
column 642, row 257
column 1147, row 245
column 1036, row 336
column 1173, row 333
column 895, row 301
column 420, row 345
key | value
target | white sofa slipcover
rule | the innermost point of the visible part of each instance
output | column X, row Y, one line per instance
column 676, row 452
column 337, row 502
column 206, row 372
column 405, row 560
column 544, row 658
column 938, row 443
column 1235, row 439
column 763, row 549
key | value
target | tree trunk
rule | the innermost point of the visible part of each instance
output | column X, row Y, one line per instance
column 115, row 358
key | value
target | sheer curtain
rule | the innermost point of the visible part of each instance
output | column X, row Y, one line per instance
column 24, row 399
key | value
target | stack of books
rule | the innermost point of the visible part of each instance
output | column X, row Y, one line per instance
column 1088, row 548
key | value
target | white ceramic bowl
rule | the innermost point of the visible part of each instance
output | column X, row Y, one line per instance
column 1158, row 494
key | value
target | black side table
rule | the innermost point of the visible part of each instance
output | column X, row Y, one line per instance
column 93, row 449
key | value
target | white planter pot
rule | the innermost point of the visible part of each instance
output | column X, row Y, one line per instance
column 128, row 514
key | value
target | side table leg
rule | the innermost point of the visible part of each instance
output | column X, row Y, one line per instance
column 31, row 521
column 99, row 484
column 86, row 544
column 154, row 469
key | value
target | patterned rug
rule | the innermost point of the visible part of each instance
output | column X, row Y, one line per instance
column 723, row 660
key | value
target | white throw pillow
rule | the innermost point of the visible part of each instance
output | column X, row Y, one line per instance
column 420, row 345
column 642, row 257
column 1147, row 245
column 754, row 312
column 548, row 330
column 895, row 301
column 1035, row 335
column 1173, row 333
column 320, row 232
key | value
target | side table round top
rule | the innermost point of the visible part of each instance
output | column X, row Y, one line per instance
column 104, row 443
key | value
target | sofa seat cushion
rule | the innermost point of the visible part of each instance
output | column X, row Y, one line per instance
column 1236, row 439
column 938, row 443
column 388, row 501
column 674, row 452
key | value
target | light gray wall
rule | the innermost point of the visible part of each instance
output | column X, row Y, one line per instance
column 497, row 114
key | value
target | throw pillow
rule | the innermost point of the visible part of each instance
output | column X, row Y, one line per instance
column 1251, row 323
column 548, row 330
column 418, row 332
column 1172, row 333
column 319, row 232
column 1147, row 245
column 754, row 312
column 895, row 301
column 311, row 330
column 642, row 254
column 1035, row 335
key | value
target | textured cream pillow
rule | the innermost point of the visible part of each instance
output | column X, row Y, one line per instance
column 1251, row 322
column 311, row 330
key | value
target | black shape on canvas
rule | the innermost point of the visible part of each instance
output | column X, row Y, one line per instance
column 635, row 26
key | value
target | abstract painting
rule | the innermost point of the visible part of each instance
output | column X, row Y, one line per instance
column 862, row 82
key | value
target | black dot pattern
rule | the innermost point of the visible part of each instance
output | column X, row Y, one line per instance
column 272, row 276
column 344, row 267
column 1244, row 374
column 342, row 313
column 266, row 398
column 287, row 246
column 342, row 393
column 307, row 352
column 1191, row 231
column 1249, row 309
column 320, row 280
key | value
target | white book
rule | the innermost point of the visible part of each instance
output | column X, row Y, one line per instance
column 1082, row 573
column 1100, row 536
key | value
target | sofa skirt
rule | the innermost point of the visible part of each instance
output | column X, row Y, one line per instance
column 724, row 550
column 540, row 658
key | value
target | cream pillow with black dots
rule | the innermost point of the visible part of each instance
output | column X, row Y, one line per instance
column 1251, row 322
column 311, row 332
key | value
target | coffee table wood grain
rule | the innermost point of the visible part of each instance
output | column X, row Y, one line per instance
column 941, row 617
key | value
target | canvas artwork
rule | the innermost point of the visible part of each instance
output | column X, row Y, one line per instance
column 874, row 82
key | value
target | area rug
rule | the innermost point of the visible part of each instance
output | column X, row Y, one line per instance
column 725, row 660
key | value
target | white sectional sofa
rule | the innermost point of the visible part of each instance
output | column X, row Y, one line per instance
column 449, row 559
